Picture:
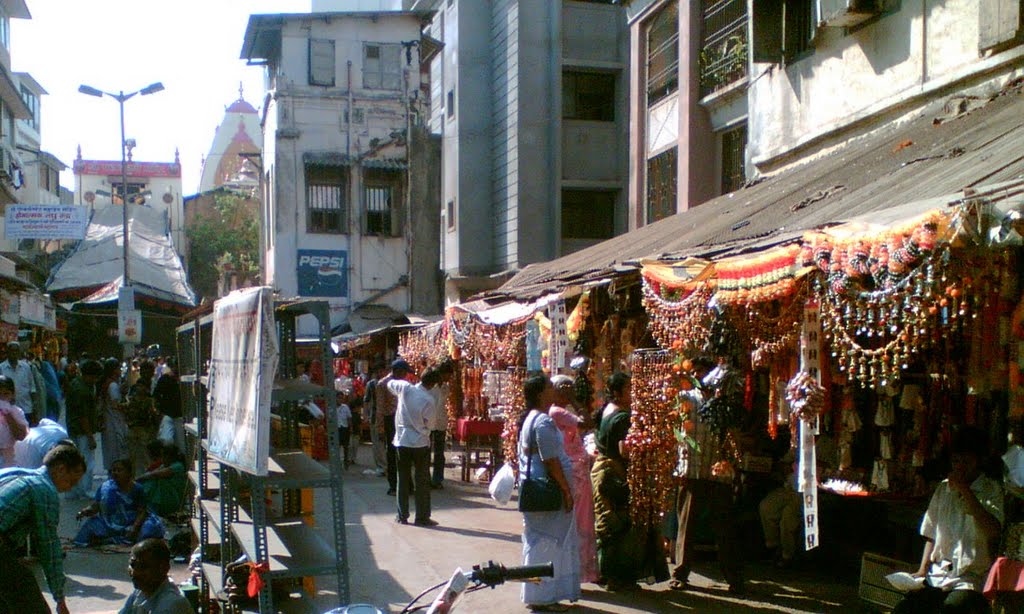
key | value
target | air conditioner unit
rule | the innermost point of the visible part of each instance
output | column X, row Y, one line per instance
column 846, row 13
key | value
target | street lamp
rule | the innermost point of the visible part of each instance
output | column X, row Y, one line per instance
column 126, row 300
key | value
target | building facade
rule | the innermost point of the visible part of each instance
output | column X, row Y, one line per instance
column 12, row 110
column 350, row 191
column 727, row 91
column 155, row 185
column 530, row 97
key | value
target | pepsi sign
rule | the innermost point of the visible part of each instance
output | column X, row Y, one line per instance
column 323, row 273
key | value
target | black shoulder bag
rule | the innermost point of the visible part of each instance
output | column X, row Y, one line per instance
column 538, row 494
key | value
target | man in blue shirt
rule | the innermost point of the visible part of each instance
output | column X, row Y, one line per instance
column 29, row 506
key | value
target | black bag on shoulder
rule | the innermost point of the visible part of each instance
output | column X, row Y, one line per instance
column 538, row 494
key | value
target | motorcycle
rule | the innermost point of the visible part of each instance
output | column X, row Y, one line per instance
column 480, row 577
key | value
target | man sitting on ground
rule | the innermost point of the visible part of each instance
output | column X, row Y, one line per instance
column 154, row 592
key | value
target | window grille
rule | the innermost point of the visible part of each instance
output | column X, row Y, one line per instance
column 663, row 54
column 326, row 204
column 723, row 55
column 661, row 185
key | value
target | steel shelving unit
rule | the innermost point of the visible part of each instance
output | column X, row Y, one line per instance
column 228, row 511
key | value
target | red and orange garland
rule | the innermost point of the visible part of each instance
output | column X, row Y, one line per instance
column 678, row 320
column 651, row 439
column 766, row 276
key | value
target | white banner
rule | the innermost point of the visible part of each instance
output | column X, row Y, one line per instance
column 243, row 362
column 45, row 222
column 129, row 326
column 558, row 351
column 810, row 361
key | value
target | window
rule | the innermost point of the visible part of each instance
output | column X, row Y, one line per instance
column 663, row 54
column 326, row 200
column 134, row 190
column 588, row 214
column 451, row 103
column 782, row 30
column 588, row 96
column 449, row 214
column 380, row 201
column 734, row 148
column 661, row 186
column 723, row 54
column 321, row 62
column 5, row 29
column 382, row 66
column 32, row 102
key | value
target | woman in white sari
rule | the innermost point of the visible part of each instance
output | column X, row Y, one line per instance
column 548, row 536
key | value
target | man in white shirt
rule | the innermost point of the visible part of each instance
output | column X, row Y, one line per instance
column 24, row 382
column 413, row 416
column 961, row 530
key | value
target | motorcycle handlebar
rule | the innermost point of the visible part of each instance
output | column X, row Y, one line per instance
column 494, row 574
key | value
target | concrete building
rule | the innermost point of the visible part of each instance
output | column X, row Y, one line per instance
column 350, row 203
column 12, row 107
column 761, row 86
column 530, row 97
column 157, row 185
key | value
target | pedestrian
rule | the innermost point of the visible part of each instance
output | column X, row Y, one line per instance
column 13, row 425
column 167, row 397
column 54, row 392
column 154, row 593
column 415, row 410
column 164, row 480
column 962, row 524
column 387, row 404
column 377, row 442
column 113, row 426
column 39, row 397
column 29, row 506
column 141, row 415
column 82, row 416
column 439, row 425
column 43, row 437
column 118, row 512
column 344, row 421
column 570, row 424
column 548, row 537
column 20, row 371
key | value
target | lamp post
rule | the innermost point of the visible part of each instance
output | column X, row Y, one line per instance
column 126, row 298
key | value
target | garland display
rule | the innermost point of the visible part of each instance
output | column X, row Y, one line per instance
column 770, row 328
column 497, row 346
column 679, row 322
column 651, row 438
column 424, row 347
column 515, row 405
column 806, row 397
column 767, row 276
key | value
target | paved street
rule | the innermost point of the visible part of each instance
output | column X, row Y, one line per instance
column 391, row 563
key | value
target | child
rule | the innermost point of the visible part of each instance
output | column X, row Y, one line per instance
column 13, row 425
column 344, row 432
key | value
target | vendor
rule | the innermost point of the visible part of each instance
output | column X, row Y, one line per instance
column 961, row 529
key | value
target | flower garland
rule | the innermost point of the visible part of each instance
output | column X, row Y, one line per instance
column 497, row 346
column 806, row 397
column 424, row 347
column 652, row 436
column 515, row 405
column 769, row 335
column 680, row 324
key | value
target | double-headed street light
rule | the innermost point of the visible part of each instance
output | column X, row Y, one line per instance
column 126, row 299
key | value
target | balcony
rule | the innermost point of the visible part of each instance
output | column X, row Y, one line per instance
column 724, row 52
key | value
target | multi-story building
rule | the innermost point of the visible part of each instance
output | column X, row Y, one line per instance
column 530, row 97
column 726, row 91
column 12, row 108
column 156, row 185
column 41, row 169
column 350, row 208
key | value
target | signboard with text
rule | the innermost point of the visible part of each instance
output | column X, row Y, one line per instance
column 243, row 360
column 129, row 326
column 45, row 222
column 322, row 273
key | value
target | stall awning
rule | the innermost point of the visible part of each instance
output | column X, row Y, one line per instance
column 913, row 163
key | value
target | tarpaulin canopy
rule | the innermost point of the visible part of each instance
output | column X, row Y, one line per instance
column 93, row 273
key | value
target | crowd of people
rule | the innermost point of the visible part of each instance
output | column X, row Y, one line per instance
column 57, row 418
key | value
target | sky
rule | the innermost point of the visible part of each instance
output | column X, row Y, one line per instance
column 191, row 46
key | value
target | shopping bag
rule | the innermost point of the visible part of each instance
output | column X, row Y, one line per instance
column 502, row 485
column 166, row 431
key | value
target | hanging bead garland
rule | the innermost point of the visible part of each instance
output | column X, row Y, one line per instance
column 498, row 346
column 769, row 328
column 651, row 438
column 515, row 404
column 679, row 323
column 424, row 347
column 806, row 397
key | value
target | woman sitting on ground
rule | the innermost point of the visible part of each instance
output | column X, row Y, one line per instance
column 118, row 515
column 164, row 480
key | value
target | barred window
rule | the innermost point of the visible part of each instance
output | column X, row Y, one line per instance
column 661, row 185
column 380, row 203
column 326, row 202
column 663, row 54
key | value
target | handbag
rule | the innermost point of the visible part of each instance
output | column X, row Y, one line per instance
column 538, row 494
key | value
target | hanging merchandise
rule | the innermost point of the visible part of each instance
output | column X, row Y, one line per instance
column 765, row 276
column 806, row 399
column 679, row 320
column 534, row 343
column 577, row 320
column 558, row 347
column 770, row 328
column 724, row 408
column 424, row 347
column 498, row 346
column 651, row 439
column 515, row 405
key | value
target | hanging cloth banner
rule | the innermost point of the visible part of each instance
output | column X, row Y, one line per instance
column 558, row 350
column 810, row 362
column 533, row 346
column 685, row 274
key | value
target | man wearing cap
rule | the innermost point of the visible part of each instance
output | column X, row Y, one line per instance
column 24, row 382
column 387, row 404
column 82, row 422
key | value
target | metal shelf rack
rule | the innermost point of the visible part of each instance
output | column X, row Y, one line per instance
column 224, row 515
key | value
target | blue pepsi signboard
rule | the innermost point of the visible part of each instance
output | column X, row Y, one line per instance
column 323, row 273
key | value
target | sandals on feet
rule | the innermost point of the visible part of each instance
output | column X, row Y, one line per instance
column 549, row 607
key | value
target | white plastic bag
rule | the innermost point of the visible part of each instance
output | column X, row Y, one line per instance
column 166, row 431
column 502, row 484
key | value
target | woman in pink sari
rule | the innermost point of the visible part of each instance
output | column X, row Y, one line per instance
column 570, row 424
